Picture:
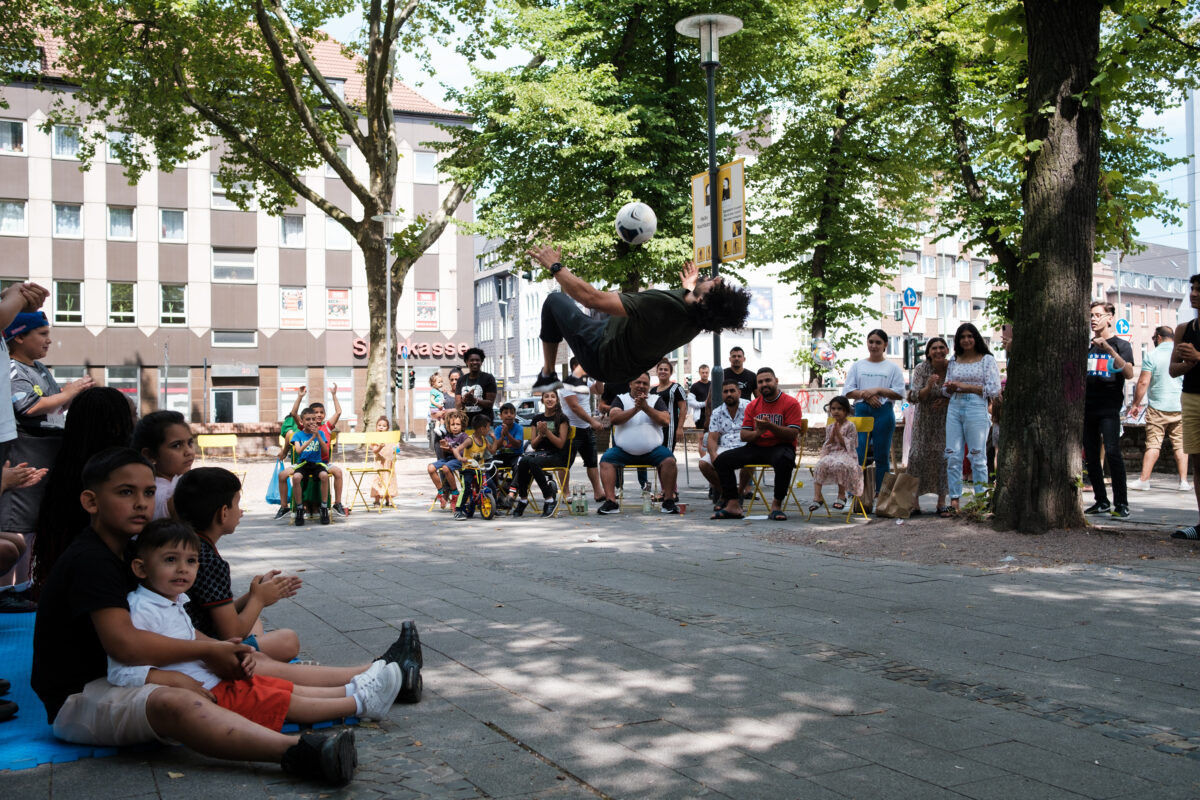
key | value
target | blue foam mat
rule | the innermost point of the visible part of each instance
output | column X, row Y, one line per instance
column 26, row 740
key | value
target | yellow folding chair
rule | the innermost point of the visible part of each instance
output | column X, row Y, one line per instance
column 561, row 475
column 359, row 472
column 220, row 443
column 861, row 425
column 758, row 478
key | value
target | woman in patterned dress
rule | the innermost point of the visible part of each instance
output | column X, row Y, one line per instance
column 839, row 462
column 972, row 379
column 927, row 454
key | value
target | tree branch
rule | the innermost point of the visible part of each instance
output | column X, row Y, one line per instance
column 631, row 26
column 1173, row 38
column 231, row 132
column 296, row 98
column 394, row 24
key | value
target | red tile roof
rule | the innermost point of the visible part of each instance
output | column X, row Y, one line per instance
column 330, row 60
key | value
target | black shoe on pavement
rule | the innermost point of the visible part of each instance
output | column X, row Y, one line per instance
column 669, row 507
column 300, row 517
column 12, row 603
column 330, row 756
column 324, row 515
column 518, row 508
column 8, row 710
column 1120, row 510
column 282, row 512
column 1098, row 508
column 545, row 383
column 549, row 506
column 405, row 653
column 340, row 510
column 609, row 507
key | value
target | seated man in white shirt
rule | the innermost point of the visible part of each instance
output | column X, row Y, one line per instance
column 724, row 433
column 637, row 438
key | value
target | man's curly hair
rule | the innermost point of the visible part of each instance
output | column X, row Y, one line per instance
column 723, row 307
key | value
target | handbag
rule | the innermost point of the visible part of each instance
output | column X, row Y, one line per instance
column 868, row 495
column 273, row 486
column 897, row 495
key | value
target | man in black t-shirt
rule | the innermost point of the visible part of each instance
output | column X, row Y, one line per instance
column 747, row 379
column 641, row 326
column 476, row 390
column 1109, row 365
column 698, row 402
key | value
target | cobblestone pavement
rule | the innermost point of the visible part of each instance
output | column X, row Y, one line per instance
column 674, row 657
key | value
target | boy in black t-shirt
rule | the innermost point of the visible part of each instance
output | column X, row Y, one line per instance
column 1109, row 365
column 83, row 617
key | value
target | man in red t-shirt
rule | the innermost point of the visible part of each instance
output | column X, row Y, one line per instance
column 770, row 427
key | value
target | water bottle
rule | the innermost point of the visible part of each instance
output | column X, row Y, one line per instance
column 647, row 505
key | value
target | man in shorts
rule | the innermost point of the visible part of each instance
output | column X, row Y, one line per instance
column 1161, row 393
column 638, row 421
column 1184, row 359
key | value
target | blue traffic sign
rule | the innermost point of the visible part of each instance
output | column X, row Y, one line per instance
column 910, row 297
column 1122, row 327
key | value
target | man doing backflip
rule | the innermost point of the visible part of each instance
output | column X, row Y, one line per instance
column 641, row 326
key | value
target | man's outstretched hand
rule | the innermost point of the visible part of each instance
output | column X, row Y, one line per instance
column 545, row 254
column 689, row 276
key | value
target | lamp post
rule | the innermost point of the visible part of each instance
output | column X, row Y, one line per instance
column 390, row 223
column 709, row 28
column 503, row 305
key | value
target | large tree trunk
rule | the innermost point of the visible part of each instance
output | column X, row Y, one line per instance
column 379, row 361
column 831, row 200
column 1042, row 418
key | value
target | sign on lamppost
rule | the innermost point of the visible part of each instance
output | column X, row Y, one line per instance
column 910, row 307
column 1123, row 329
column 731, row 209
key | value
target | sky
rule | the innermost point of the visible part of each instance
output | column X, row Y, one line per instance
column 454, row 71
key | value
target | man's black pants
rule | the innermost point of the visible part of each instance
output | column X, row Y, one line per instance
column 1105, row 427
column 781, row 458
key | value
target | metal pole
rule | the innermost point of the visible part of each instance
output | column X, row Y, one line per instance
column 714, row 213
column 391, row 357
column 166, row 374
column 1190, row 112
column 407, row 398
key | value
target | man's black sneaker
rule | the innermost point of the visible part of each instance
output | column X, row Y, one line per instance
column 1098, row 508
column 1120, row 510
column 329, row 756
column 324, row 515
column 282, row 512
column 518, row 508
column 12, row 603
column 405, row 652
column 609, row 507
column 669, row 507
column 549, row 506
column 340, row 510
column 546, row 383
column 300, row 517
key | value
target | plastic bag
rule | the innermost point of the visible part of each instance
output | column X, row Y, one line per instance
column 273, row 486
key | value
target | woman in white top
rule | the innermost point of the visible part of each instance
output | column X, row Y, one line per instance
column 972, row 379
column 874, row 383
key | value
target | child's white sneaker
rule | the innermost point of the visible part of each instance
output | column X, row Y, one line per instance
column 1184, row 486
column 364, row 678
column 380, row 692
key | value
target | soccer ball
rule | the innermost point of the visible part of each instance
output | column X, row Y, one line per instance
column 636, row 223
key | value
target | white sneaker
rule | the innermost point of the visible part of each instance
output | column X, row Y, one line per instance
column 1184, row 486
column 1140, row 485
column 364, row 678
column 379, row 694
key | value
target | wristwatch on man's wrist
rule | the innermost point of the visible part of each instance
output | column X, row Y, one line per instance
column 555, row 267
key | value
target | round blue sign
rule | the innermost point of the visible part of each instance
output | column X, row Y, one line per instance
column 1122, row 327
column 910, row 297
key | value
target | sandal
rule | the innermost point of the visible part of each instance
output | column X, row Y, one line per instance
column 839, row 505
column 1190, row 532
column 723, row 514
column 817, row 504
column 777, row 515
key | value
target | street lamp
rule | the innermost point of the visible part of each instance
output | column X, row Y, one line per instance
column 503, row 305
column 390, row 223
column 709, row 28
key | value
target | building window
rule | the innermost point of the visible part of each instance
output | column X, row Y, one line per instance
column 120, row 223
column 68, row 303
column 235, row 338
column 1157, row 316
column 909, row 260
column 124, row 380
column 172, row 225
column 121, row 303
column 174, row 390
column 290, row 380
column 425, row 167
column 1142, row 314
column 964, row 309
column 232, row 266
column 895, row 345
column 962, row 269
column 12, row 137
column 65, row 374
column 66, row 141
column 336, row 237
column 343, row 378
column 235, row 405
column 291, row 230
column 338, row 85
column 173, row 309
column 12, row 218
column 487, row 330
column 343, row 152
column 928, row 265
column 117, row 143
column 1128, row 311
column 220, row 200
column 293, row 310
column 68, row 221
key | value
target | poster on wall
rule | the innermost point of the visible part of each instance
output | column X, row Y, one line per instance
column 337, row 309
column 427, row 311
column 291, row 308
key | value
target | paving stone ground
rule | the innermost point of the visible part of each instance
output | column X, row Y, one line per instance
column 678, row 658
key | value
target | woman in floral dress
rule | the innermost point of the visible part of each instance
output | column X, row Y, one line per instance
column 927, row 454
column 839, row 462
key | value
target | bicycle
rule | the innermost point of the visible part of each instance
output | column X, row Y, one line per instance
column 477, row 493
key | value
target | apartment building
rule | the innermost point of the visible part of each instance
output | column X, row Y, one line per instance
column 170, row 293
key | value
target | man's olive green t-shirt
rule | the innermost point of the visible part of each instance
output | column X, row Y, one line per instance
column 656, row 322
